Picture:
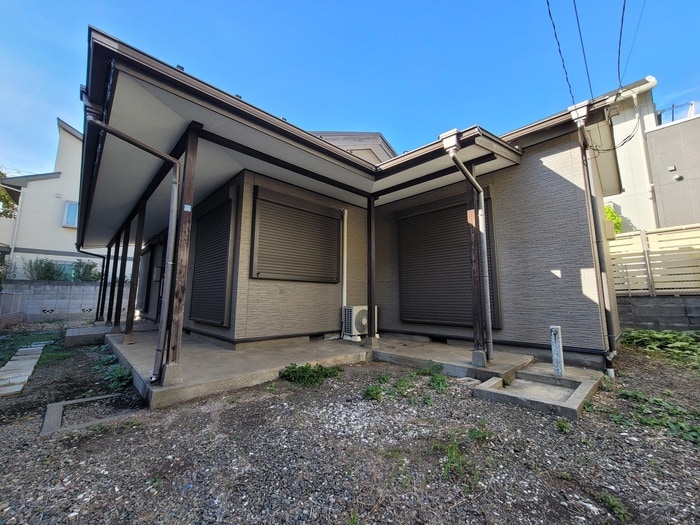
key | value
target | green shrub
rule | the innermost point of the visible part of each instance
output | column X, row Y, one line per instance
column 308, row 375
column 85, row 271
column 681, row 348
column 118, row 377
column 373, row 393
column 43, row 269
column 612, row 216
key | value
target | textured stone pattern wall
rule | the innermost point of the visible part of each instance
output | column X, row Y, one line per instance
column 49, row 300
column 659, row 313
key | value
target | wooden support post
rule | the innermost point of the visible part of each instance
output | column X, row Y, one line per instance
column 113, row 284
column 135, row 267
column 182, row 253
column 479, row 353
column 122, row 279
column 372, row 341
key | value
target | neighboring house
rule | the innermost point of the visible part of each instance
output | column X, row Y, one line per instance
column 274, row 230
column 674, row 158
column 47, row 210
column 659, row 165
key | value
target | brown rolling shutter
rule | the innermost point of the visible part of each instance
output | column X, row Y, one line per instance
column 435, row 268
column 210, row 289
column 295, row 240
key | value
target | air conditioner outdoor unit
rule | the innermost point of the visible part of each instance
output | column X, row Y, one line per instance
column 355, row 322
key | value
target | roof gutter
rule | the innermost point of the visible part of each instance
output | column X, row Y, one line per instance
column 163, row 330
column 450, row 141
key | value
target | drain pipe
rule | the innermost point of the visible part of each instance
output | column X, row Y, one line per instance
column 102, row 276
column 344, row 273
column 579, row 114
column 172, row 228
column 451, row 144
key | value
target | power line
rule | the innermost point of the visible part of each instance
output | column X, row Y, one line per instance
column 619, row 43
column 563, row 65
column 634, row 38
column 583, row 50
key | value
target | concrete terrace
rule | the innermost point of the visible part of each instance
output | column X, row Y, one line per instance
column 210, row 366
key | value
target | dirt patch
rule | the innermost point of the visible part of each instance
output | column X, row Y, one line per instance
column 278, row 453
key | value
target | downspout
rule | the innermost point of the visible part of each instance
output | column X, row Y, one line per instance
column 579, row 114
column 172, row 228
column 344, row 272
column 102, row 275
column 451, row 144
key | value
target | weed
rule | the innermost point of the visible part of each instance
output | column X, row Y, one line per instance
column 372, row 393
column 456, row 458
column 659, row 413
column 607, row 384
column 615, row 506
column 105, row 361
column 101, row 428
column 131, row 424
column 53, row 354
column 480, row 432
column 506, row 381
column 13, row 341
column 271, row 388
column 154, row 480
column 563, row 425
column 680, row 348
column 308, row 375
column 354, row 520
column 382, row 378
column 563, row 474
column 118, row 377
column 427, row 400
column 439, row 382
column 403, row 384
column 433, row 369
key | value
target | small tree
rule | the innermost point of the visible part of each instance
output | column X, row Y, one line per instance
column 85, row 271
column 43, row 269
column 612, row 216
column 8, row 208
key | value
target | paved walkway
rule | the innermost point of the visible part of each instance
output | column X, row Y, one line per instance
column 16, row 372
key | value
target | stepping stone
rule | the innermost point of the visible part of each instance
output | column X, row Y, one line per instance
column 11, row 390
column 29, row 351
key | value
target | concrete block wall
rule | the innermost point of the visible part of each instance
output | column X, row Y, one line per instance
column 660, row 312
column 49, row 300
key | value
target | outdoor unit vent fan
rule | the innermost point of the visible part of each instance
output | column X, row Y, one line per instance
column 355, row 322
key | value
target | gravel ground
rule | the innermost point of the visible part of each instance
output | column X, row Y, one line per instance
column 280, row 453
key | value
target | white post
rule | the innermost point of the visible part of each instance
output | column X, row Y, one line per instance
column 557, row 351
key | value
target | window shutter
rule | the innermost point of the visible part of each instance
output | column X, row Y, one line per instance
column 435, row 268
column 294, row 240
column 210, row 290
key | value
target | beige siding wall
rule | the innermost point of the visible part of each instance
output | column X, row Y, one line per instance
column 264, row 308
column 544, row 252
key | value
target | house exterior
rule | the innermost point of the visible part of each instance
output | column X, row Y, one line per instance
column 658, row 163
column 674, row 163
column 252, row 229
column 47, row 210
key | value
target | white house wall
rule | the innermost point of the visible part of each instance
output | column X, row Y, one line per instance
column 635, row 204
column 41, row 232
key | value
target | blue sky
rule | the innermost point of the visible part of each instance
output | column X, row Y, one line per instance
column 409, row 69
